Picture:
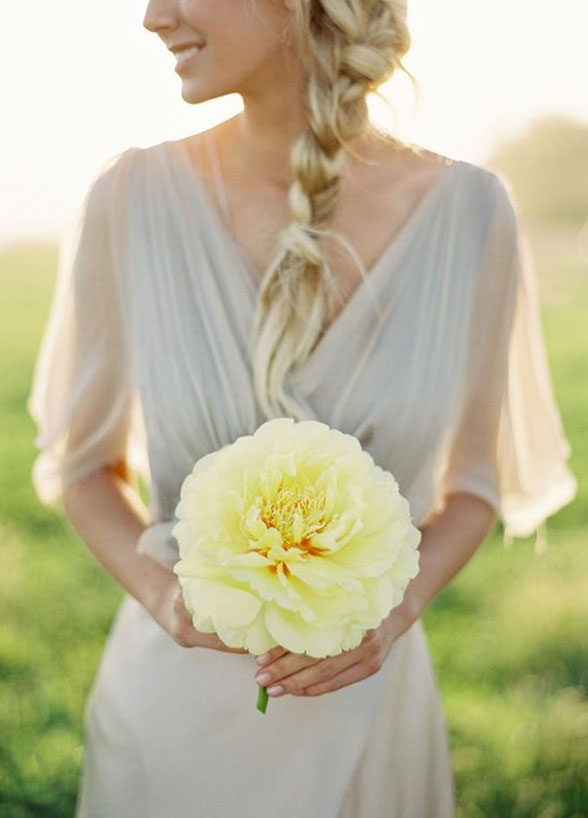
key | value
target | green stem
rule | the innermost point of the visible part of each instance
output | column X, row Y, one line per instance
column 262, row 698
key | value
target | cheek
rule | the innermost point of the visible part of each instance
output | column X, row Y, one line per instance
column 247, row 32
column 244, row 40
column 239, row 58
column 246, row 52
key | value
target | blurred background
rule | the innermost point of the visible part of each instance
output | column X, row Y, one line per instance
column 501, row 84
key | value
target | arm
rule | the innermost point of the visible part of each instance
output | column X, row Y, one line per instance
column 82, row 397
column 111, row 534
column 449, row 540
column 109, row 516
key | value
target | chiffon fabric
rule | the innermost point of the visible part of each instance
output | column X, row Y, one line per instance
column 436, row 363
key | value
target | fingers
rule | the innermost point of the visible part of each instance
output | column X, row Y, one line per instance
column 301, row 675
column 187, row 636
column 367, row 659
column 284, row 666
column 295, row 671
column 272, row 654
column 354, row 673
column 211, row 640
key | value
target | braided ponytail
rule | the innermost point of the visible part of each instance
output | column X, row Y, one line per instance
column 348, row 48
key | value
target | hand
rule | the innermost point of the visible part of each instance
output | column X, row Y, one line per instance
column 303, row 675
column 171, row 613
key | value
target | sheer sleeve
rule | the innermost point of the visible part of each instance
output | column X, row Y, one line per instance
column 509, row 446
column 81, row 396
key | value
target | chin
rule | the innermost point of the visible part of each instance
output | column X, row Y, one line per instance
column 191, row 96
column 194, row 93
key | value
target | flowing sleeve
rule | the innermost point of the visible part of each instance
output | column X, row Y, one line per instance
column 508, row 446
column 81, row 396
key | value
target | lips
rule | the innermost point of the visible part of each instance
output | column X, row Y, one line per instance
column 184, row 46
column 185, row 58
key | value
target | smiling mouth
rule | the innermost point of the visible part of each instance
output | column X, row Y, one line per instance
column 185, row 57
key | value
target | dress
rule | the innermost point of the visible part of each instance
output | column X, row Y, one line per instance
column 144, row 358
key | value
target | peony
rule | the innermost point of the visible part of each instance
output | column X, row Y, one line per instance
column 293, row 536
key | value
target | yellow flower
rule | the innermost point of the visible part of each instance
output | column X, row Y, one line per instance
column 293, row 536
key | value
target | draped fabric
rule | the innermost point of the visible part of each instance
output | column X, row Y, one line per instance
column 436, row 363
column 144, row 352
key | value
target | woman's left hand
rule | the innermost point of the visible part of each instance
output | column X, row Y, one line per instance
column 303, row 675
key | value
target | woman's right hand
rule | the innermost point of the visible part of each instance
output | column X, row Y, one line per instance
column 171, row 613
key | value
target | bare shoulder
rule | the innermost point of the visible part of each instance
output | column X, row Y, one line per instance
column 395, row 171
column 424, row 158
column 487, row 182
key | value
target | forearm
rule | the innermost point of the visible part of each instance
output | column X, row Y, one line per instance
column 109, row 516
column 447, row 543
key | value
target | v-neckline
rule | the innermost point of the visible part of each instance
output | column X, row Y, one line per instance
column 351, row 303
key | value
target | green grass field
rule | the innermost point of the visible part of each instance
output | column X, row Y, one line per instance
column 508, row 636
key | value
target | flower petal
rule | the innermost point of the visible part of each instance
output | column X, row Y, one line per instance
column 322, row 573
column 224, row 604
column 290, row 631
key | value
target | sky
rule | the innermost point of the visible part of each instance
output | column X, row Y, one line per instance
column 81, row 81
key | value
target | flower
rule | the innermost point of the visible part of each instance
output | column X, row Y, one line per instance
column 293, row 536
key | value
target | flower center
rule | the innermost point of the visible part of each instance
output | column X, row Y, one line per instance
column 297, row 514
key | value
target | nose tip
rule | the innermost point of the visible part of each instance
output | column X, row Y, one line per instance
column 158, row 15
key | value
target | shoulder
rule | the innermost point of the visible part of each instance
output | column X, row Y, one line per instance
column 111, row 178
column 483, row 189
column 101, row 215
column 141, row 169
column 490, row 221
column 491, row 182
column 486, row 201
column 487, row 218
column 491, row 224
column 491, row 190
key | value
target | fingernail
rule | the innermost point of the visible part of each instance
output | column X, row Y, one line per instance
column 262, row 660
column 275, row 690
column 263, row 678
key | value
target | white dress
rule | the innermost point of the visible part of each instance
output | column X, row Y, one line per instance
column 144, row 359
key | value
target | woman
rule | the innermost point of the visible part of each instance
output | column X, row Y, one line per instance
column 213, row 283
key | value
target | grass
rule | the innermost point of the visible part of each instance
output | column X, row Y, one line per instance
column 507, row 636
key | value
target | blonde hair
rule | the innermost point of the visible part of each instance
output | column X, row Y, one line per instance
column 348, row 48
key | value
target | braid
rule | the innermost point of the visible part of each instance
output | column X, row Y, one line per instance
column 348, row 48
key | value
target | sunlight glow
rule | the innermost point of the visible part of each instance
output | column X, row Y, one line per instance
column 92, row 82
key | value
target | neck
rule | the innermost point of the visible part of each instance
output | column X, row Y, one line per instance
column 256, row 143
column 264, row 132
